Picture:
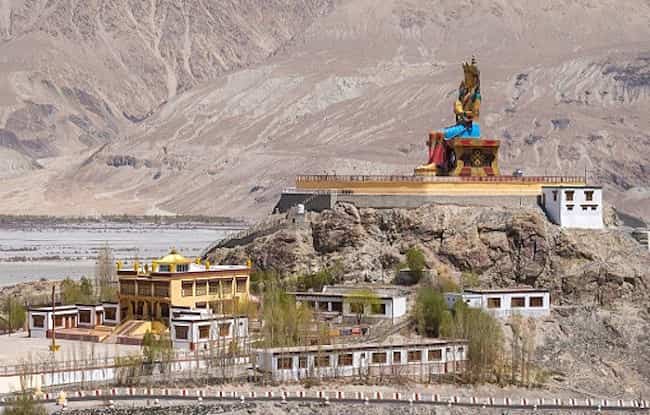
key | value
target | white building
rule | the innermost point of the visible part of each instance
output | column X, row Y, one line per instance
column 42, row 319
column 385, row 303
column 418, row 359
column 527, row 302
column 574, row 206
column 200, row 329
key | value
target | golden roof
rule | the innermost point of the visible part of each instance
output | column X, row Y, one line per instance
column 173, row 258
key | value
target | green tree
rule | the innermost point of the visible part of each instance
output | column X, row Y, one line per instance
column 285, row 323
column 361, row 301
column 70, row 291
column 13, row 314
column 24, row 404
column 430, row 312
column 416, row 262
column 86, row 290
column 73, row 292
column 157, row 350
column 484, row 336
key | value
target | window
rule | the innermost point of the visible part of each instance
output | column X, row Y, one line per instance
column 224, row 329
column 536, row 301
column 593, row 207
column 494, row 302
column 163, row 268
column 517, row 302
column 379, row 309
column 84, row 317
column 322, row 306
column 345, row 359
column 181, row 332
column 144, row 289
column 322, row 361
column 164, row 310
column 589, row 195
column 201, row 304
column 127, row 288
column 227, row 286
column 397, row 357
column 285, row 363
column 182, row 267
column 434, row 355
column 302, row 362
column 241, row 285
column 414, row 356
column 110, row 313
column 214, row 287
column 569, row 207
column 584, row 207
column 187, row 289
column 569, row 195
column 555, row 195
column 356, row 308
column 161, row 289
column 201, row 288
column 337, row 307
column 204, row 332
column 379, row 357
column 38, row 321
column 58, row 321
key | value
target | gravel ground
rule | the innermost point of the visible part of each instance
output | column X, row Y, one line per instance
column 276, row 408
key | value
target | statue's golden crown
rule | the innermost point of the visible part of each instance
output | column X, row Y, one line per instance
column 471, row 67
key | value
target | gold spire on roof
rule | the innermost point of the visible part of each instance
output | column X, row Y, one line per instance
column 173, row 258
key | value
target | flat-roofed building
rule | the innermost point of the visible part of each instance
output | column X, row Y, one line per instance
column 574, row 206
column 381, row 302
column 147, row 292
column 417, row 359
column 527, row 302
column 41, row 320
column 200, row 329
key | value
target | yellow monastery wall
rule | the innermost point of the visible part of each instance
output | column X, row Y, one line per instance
column 461, row 188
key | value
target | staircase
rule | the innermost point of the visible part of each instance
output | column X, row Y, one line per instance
column 122, row 330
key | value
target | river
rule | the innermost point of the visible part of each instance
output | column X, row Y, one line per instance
column 31, row 252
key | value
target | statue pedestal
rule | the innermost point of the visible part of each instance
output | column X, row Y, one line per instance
column 469, row 158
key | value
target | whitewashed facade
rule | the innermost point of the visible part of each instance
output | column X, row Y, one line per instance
column 387, row 303
column 200, row 329
column 42, row 319
column 420, row 359
column 527, row 302
column 574, row 206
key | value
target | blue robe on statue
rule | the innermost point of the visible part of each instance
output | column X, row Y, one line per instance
column 470, row 130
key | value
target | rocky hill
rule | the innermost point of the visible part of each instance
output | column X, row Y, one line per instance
column 213, row 107
column 598, row 279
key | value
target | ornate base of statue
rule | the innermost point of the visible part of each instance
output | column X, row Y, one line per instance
column 467, row 157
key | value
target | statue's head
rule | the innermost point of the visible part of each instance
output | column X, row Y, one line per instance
column 472, row 74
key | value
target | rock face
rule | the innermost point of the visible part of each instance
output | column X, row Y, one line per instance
column 502, row 246
column 596, row 338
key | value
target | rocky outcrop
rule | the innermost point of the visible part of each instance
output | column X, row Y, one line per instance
column 500, row 246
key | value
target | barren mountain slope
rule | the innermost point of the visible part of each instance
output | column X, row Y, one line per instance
column 566, row 85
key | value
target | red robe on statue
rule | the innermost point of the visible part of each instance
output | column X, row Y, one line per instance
column 437, row 150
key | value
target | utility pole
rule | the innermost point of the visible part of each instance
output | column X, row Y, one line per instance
column 54, row 347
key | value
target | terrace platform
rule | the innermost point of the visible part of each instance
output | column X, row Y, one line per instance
column 321, row 192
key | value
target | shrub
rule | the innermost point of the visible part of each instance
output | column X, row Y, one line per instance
column 416, row 263
column 430, row 312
